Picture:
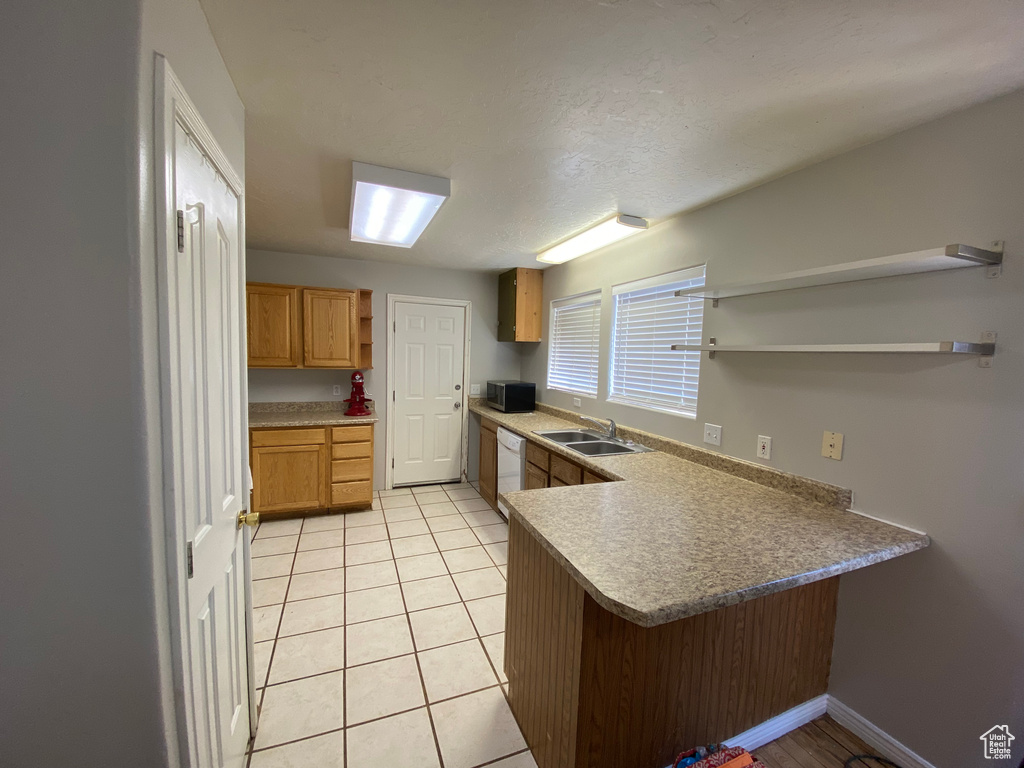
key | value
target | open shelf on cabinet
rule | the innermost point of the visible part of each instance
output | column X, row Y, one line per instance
column 955, row 256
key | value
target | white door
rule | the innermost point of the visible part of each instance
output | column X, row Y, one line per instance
column 429, row 356
column 205, row 369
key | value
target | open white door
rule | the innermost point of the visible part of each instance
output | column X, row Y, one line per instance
column 427, row 351
column 204, row 420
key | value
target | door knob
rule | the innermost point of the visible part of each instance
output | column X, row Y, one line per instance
column 457, row 405
column 248, row 518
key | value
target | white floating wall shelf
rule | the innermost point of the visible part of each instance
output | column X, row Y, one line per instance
column 955, row 256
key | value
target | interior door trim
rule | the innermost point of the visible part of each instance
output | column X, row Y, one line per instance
column 172, row 105
column 389, row 416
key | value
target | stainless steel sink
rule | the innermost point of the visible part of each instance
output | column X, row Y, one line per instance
column 589, row 443
column 564, row 436
column 603, row 448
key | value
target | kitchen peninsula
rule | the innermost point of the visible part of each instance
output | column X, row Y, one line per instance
column 686, row 603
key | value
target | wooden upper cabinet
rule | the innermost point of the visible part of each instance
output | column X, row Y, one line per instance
column 291, row 326
column 520, row 300
column 272, row 322
column 330, row 328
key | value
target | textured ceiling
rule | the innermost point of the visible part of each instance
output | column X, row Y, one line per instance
column 549, row 115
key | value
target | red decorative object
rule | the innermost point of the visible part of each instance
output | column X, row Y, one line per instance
column 358, row 399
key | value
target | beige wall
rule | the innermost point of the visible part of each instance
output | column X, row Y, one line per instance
column 929, row 647
column 489, row 358
column 83, row 658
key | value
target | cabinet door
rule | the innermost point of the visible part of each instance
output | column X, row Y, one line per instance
column 529, row 300
column 289, row 478
column 272, row 326
column 535, row 477
column 507, row 306
column 566, row 471
column 489, row 465
column 330, row 329
column 590, row 478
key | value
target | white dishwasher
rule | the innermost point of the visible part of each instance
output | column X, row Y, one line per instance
column 511, row 464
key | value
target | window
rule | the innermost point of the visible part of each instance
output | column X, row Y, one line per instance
column 648, row 319
column 575, row 340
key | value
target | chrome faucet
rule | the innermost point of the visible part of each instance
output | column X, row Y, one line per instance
column 610, row 428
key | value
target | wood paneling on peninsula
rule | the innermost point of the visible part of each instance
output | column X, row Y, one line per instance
column 591, row 689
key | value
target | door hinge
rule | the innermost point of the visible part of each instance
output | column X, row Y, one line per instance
column 394, row 326
column 392, row 463
column 393, row 396
column 188, row 558
column 181, row 231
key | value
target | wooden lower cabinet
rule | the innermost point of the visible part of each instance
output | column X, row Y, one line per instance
column 289, row 470
column 352, row 466
column 310, row 469
column 535, row 477
column 489, row 462
column 590, row 689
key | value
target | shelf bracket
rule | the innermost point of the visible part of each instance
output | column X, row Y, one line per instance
column 988, row 337
column 712, row 341
column 995, row 270
column 714, row 302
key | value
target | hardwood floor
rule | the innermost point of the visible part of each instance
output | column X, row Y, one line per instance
column 822, row 743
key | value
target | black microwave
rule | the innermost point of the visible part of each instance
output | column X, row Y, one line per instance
column 512, row 396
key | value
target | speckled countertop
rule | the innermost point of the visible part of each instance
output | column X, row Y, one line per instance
column 330, row 413
column 678, row 538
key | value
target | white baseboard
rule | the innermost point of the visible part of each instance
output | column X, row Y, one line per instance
column 886, row 745
column 780, row 725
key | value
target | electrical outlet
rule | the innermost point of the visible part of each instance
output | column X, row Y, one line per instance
column 577, row 403
column 832, row 445
column 337, row 389
column 764, row 447
column 712, row 434
column 474, row 390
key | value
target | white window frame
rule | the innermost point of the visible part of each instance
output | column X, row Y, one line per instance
column 590, row 298
column 690, row 307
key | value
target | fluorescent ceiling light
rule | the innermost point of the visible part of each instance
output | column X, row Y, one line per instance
column 605, row 233
column 392, row 207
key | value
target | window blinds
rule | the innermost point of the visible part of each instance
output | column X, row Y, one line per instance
column 648, row 318
column 575, row 340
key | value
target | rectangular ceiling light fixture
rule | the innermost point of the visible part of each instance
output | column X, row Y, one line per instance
column 392, row 207
column 605, row 233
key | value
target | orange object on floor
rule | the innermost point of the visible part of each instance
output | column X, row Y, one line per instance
column 742, row 761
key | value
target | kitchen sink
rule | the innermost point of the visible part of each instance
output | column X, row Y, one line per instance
column 590, row 443
column 603, row 448
column 564, row 436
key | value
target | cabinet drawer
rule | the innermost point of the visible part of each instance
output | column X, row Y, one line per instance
column 264, row 437
column 537, row 455
column 362, row 433
column 351, row 450
column 590, row 477
column 556, row 483
column 344, row 494
column 351, row 469
column 565, row 471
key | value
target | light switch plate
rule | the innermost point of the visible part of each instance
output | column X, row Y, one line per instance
column 764, row 447
column 577, row 403
column 712, row 434
column 832, row 445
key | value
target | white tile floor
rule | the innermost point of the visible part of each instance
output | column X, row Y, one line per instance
column 380, row 637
